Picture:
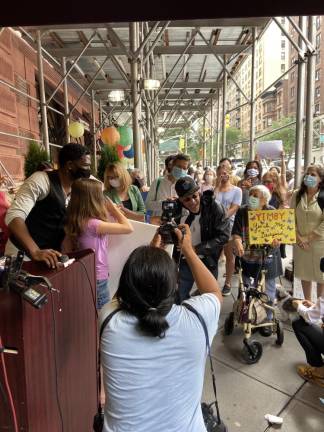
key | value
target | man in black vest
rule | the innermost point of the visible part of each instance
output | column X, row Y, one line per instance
column 36, row 217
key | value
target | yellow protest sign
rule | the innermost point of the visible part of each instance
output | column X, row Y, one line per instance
column 267, row 225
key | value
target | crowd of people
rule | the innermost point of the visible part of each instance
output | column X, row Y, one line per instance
column 62, row 210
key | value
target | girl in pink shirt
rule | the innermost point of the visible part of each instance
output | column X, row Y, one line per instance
column 87, row 227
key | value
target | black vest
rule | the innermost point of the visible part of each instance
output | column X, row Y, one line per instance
column 46, row 220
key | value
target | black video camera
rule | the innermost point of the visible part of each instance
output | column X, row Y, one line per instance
column 13, row 278
column 170, row 210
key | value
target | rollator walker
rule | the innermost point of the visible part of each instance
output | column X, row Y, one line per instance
column 250, row 312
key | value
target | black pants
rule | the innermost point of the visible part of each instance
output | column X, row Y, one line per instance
column 311, row 338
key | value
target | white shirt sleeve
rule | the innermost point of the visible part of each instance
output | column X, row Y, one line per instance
column 34, row 189
column 313, row 314
column 209, row 307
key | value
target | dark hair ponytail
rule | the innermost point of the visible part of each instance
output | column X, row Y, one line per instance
column 147, row 288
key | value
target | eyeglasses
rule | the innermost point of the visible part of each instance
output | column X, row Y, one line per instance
column 192, row 197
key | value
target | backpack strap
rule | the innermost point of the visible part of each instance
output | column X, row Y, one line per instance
column 157, row 187
column 320, row 198
column 106, row 321
column 204, row 326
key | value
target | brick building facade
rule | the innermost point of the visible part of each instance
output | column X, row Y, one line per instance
column 19, row 115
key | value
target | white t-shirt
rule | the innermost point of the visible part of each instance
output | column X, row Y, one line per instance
column 195, row 229
column 154, row 384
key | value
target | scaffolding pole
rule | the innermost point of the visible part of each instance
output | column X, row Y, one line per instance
column 310, row 92
column 45, row 137
column 204, row 142
column 136, row 98
column 93, row 130
column 218, row 128
column 223, row 153
column 253, row 101
column 300, row 107
column 66, row 102
column 212, row 133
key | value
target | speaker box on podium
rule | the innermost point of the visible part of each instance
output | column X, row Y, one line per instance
column 53, row 376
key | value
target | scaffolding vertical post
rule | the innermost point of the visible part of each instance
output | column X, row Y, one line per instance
column 93, row 130
column 66, row 102
column 218, row 128
column 204, row 141
column 223, row 152
column 45, row 137
column 253, row 101
column 211, row 133
column 310, row 86
column 136, row 97
column 300, row 106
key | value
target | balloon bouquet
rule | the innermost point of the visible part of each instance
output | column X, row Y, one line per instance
column 121, row 138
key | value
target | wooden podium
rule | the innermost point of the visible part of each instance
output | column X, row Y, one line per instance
column 39, row 387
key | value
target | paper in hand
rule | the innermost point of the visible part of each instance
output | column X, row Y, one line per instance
column 269, row 149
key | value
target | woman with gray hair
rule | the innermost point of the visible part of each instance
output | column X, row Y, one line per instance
column 251, row 255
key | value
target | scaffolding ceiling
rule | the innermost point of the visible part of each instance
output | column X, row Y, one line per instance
column 182, row 55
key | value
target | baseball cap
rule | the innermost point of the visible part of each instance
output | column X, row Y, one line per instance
column 186, row 186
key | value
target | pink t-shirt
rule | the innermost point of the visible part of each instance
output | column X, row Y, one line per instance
column 99, row 243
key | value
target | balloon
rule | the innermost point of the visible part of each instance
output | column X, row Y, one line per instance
column 129, row 154
column 110, row 136
column 126, row 136
column 76, row 129
column 120, row 151
column 127, row 148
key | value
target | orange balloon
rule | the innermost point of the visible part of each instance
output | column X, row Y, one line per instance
column 110, row 136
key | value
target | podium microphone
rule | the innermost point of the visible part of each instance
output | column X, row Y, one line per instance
column 322, row 265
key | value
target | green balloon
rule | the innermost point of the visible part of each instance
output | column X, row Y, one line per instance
column 126, row 136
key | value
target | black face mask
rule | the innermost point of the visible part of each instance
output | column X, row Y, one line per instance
column 80, row 173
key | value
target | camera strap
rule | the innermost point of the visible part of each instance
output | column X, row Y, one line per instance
column 203, row 324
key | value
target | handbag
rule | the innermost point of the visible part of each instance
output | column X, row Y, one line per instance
column 212, row 420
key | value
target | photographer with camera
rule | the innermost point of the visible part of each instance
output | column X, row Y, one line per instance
column 153, row 351
column 209, row 226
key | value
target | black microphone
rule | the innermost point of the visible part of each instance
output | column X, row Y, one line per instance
column 322, row 265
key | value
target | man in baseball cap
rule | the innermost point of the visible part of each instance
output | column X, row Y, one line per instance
column 209, row 226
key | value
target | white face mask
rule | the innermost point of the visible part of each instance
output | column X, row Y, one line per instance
column 209, row 178
column 115, row 183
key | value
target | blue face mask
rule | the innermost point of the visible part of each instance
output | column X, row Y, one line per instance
column 178, row 172
column 310, row 181
column 254, row 203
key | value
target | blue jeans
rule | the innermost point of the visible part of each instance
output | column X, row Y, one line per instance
column 270, row 289
column 103, row 296
column 186, row 279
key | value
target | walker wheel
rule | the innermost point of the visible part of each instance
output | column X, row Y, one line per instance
column 252, row 352
column 229, row 324
column 280, row 333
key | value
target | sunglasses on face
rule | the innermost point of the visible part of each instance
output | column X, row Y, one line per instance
column 192, row 197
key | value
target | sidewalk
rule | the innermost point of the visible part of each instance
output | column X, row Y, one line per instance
column 272, row 386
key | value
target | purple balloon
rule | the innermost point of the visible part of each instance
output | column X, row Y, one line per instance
column 129, row 153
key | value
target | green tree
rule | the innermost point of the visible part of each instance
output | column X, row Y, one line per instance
column 233, row 136
column 34, row 157
column 108, row 155
column 287, row 135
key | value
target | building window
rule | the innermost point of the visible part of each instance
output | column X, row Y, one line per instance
column 318, row 92
column 318, row 40
column 292, row 92
column 283, row 67
column 317, row 108
column 318, row 56
column 279, row 114
column 317, row 75
column 283, row 44
column 292, row 76
column 318, row 22
column 283, row 34
column 293, row 59
column 283, row 20
column 269, row 121
column 283, row 55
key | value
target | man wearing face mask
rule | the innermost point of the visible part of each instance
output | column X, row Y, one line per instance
column 164, row 188
column 36, row 217
column 209, row 226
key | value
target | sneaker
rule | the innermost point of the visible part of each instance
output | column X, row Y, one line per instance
column 226, row 291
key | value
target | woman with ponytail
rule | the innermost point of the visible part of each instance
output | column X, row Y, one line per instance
column 153, row 351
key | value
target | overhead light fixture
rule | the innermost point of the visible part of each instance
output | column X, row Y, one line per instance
column 160, row 130
column 151, row 84
column 116, row 96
